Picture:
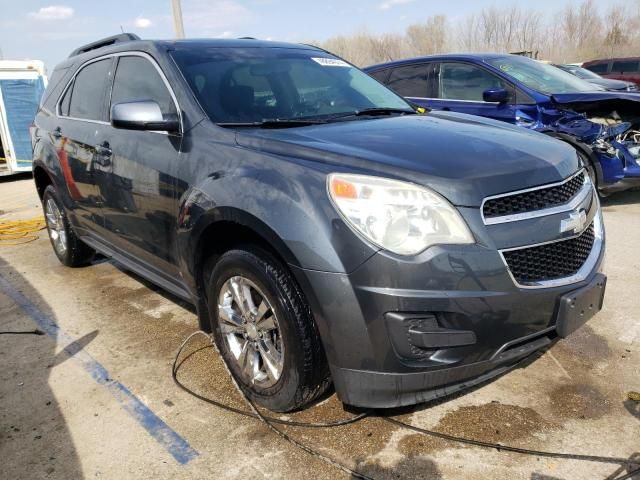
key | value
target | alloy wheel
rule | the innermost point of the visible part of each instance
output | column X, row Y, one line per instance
column 55, row 224
column 251, row 331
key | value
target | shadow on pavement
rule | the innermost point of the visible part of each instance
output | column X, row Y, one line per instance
column 627, row 197
column 418, row 468
column 16, row 177
column 34, row 439
column 74, row 347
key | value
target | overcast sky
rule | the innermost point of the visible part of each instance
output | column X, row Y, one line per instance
column 49, row 31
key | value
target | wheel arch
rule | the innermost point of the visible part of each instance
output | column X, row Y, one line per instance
column 42, row 179
column 223, row 229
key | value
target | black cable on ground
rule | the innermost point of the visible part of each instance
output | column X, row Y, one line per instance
column 629, row 475
column 292, row 423
column 255, row 413
column 508, row 448
column 268, row 421
column 26, row 332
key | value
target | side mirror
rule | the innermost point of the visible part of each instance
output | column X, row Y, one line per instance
column 143, row 115
column 496, row 95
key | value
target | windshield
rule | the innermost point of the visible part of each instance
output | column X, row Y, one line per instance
column 581, row 72
column 540, row 76
column 251, row 85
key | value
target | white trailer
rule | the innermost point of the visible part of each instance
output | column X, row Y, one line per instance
column 22, row 83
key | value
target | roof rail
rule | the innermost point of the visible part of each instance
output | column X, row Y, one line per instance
column 105, row 42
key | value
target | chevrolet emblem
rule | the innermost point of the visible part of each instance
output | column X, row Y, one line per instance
column 575, row 223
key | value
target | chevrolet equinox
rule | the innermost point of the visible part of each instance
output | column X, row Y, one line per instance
column 326, row 230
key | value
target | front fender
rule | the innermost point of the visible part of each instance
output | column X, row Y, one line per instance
column 283, row 201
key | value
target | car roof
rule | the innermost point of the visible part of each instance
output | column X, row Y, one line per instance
column 470, row 57
column 613, row 59
column 161, row 46
column 233, row 43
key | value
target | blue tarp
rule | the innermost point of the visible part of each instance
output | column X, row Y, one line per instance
column 21, row 101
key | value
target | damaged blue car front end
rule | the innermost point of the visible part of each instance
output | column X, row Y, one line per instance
column 603, row 126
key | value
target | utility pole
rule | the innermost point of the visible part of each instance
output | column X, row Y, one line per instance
column 177, row 18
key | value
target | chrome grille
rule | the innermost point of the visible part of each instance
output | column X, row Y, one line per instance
column 532, row 200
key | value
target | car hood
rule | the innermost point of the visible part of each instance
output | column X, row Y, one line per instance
column 597, row 99
column 465, row 158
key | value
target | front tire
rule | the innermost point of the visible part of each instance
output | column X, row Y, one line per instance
column 591, row 171
column 70, row 250
column 265, row 331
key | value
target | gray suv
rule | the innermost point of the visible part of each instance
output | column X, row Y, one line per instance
column 326, row 230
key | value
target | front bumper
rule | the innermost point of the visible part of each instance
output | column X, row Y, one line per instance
column 466, row 290
column 619, row 172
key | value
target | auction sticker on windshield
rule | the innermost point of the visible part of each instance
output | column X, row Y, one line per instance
column 330, row 62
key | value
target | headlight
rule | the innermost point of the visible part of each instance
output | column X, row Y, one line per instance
column 397, row 216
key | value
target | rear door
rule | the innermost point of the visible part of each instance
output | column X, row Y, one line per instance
column 601, row 68
column 628, row 70
column 140, row 204
column 413, row 82
column 80, row 124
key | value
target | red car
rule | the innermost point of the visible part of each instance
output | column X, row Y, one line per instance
column 618, row 68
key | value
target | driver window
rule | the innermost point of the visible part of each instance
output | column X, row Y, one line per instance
column 137, row 79
column 462, row 81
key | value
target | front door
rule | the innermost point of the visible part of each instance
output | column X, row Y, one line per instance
column 460, row 88
column 140, row 205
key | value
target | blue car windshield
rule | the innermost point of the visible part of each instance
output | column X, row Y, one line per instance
column 539, row 76
column 253, row 85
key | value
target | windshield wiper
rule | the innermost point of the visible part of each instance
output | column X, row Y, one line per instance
column 383, row 111
column 274, row 123
column 374, row 112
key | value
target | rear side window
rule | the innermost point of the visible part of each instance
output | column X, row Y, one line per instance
column 136, row 80
column 598, row 67
column 380, row 75
column 88, row 92
column 625, row 67
column 462, row 81
column 409, row 81
column 64, row 103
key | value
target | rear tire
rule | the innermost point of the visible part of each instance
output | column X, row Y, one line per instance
column 265, row 331
column 70, row 250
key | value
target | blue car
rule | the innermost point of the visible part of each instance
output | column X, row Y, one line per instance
column 604, row 127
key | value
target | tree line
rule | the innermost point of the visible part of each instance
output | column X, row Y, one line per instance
column 575, row 33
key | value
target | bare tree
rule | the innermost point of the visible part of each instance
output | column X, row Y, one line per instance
column 468, row 35
column 429, row 37
column 616, row 35
column 575, row 33
column 583, row 27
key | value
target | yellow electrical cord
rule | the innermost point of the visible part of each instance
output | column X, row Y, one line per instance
column 19, row 232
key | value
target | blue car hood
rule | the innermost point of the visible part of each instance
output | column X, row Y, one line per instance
column 594, row 97
column 465, row 158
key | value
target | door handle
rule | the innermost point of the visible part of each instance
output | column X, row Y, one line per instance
column 103, row 151
column 57, row 132
column 103, row 154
